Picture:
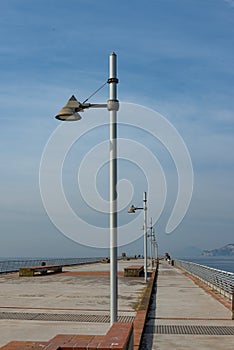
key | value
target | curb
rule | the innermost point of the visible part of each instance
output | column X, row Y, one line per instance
column 140, row 319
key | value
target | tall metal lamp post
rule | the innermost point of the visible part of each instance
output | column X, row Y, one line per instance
column 132, row 210
column 70, row 113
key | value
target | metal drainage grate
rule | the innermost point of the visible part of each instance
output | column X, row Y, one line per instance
column 196, row 330
column 61, row 317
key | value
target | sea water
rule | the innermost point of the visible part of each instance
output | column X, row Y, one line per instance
column 225, row 263
column 14, row 264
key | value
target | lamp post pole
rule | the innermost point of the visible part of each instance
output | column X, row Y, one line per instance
column 145, row 233
column 113, row 81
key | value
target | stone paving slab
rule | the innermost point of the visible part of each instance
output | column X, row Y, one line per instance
column 178, row 296
column 180, row 305
column 192, row 342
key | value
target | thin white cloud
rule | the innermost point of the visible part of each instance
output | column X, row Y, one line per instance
column 230, row 2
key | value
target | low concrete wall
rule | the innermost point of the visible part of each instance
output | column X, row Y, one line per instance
column 140, row 319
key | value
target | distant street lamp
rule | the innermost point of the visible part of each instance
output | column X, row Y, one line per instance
column 131, row 211
column 155, row 243
column 70, row 113
column 151, row 243
column 151, row 235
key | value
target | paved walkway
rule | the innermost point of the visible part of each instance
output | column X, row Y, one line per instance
column 183, row 316
column 73, row 302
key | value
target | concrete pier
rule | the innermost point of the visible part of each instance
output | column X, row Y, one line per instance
column 182, row 315
column 185, row 316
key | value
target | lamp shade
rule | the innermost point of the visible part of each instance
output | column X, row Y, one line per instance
column 69, row 111
column 67, row 114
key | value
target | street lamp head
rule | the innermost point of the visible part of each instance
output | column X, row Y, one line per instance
column 70, row 111
column 132, row 209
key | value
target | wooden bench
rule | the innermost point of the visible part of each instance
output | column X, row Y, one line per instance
column 134, row 271
column 39, row 270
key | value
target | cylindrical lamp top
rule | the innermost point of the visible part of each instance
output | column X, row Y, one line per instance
column 113, row 65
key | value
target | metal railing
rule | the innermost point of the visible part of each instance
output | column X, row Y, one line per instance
column 221, row 281
column 7, row 266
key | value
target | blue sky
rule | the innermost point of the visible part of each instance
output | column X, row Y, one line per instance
column 174, row 56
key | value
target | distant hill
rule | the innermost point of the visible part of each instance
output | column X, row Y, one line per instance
column 227, row 250
column 187, row 252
